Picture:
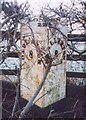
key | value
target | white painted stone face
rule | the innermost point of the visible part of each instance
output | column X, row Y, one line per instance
column 32, row 72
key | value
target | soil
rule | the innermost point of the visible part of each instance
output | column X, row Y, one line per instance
column 73, row 106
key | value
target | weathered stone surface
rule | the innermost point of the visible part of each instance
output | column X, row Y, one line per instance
column 32, row 72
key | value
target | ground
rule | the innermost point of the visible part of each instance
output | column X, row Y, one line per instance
column 73, row 106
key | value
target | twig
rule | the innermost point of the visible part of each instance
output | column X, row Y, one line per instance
column 17, row 96
column 3, row 100
column 29, row 104
column 16, row 102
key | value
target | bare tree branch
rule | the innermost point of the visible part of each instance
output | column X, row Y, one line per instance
column 30, row 103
